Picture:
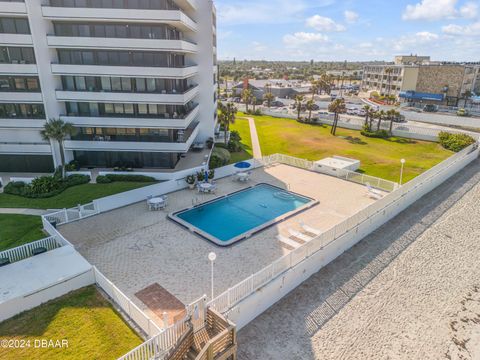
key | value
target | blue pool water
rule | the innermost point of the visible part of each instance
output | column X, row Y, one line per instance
column 230, row 217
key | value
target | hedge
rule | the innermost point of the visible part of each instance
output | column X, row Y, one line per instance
column 45, row 186
column 220, row 157
column 109, row 178
column 455, row 142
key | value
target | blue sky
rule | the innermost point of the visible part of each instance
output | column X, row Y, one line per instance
column 348, row 30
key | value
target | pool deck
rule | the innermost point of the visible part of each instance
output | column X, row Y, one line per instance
column 136, row 248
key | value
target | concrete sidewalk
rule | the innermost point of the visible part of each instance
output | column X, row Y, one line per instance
column 257, row 150
column 37, row 212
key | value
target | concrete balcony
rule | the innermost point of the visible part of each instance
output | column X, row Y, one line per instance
column 16, row 39
column 123, row 122
column 128, row 71
column 13, row 8
column 72, row 42
column 123, row 97
column 178, row 147
column 22, row 123
column 187, row 4
column 24, row 148
column 21, row 97
column 18, row 69
column 176, row 18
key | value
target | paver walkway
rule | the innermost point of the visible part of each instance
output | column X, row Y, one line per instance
column 257, row 150
column 405, row 292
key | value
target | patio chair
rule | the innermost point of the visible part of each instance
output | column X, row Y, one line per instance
column 287, row 241
column 300, row 235
column 373, row 193
column 310, row 230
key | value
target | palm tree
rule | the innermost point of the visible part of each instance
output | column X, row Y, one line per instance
column 337, row 107
column 226, row 117
column 58, row 130
column 310, row 105
column 253, row 101
column 368, row 112
column 380, row 116
column 315, row 88
column 298, row 104
column 392, row 115
column 269, row 98
column 246, row 96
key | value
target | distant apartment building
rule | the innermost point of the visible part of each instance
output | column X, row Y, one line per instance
column 279, row 88
column 417, row 80
column 135, row 77
column 348, row 74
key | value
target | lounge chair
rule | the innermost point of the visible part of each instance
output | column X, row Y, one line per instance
column 300, row 235
column 373, row 193
column 287, row 241
column 310, row 230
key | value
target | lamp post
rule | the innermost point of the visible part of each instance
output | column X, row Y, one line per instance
column 212, row 256
column 401, row 171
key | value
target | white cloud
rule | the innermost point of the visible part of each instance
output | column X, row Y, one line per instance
column 467, row 30
column 351, row 16
column 469, row 10
column 431, row 10
column 300, row 39
column 321, row 23
column 259, row 47
column 411, row 43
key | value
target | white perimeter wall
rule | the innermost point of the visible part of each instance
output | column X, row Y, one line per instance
column 255, row 304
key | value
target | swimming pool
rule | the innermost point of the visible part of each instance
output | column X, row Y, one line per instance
column 240, row 215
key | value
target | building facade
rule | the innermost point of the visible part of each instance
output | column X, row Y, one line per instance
column 136, row 78
column 417, row 80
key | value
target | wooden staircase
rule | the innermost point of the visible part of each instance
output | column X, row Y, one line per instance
column 217, row 340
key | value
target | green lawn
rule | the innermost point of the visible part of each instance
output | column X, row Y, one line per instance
column 16, row 230
column 243, row 128
column 92, row 327
column 379, row 157
column 81, row 194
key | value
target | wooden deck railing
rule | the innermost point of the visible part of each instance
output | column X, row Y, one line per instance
column 223, row 345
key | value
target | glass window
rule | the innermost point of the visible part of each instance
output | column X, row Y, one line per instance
column 20, row 84
column 118, row 108
column 116, row 84
column 109, row 109
column 84, row 108
column 106, row 84
column 102, row 58
column 140, row 84
column 72, row 108
column 22, row 26
column 28, row 55
column 152, row 109
column 110, row 31
column 15, row 54
column 99, row 30
column 69, row 83
column 142, row 109
column 90, row 82
column 94, row 109
column 32, row 84
column 129, row 109
column 151, row 85
column 4, row 84
column 80, row 83
column 83, row 30
column 121, row 31
column 126, row 84
column 8, row 25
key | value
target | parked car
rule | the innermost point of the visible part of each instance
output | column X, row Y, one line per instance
column 463, row 112
column 275, row 103
column 430, row 108
column 237, row 100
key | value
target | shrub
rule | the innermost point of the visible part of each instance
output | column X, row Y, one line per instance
column 129, row 178
column 73, row 166
column 455, row 142
column 101, row 179
column 45, row 186
column 220, row 157
column 234, row 146
column 381, row 134
column 235, row 136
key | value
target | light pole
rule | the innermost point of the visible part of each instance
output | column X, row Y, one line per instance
column 212, row 256
column 401, row 171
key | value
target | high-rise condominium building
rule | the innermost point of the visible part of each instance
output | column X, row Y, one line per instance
column 136, row 78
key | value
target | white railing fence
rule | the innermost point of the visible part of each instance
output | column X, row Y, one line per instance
column 26, row 251
column 65, row 216
column 376, row 213
column 158, row 346
column 342, row 174
column 133, row 311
